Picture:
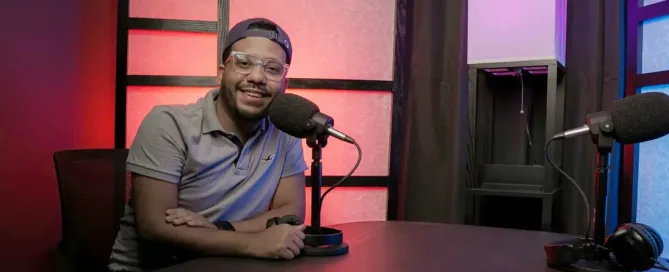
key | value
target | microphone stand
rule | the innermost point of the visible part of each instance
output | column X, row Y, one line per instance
column 320, row 241
column 591, row 252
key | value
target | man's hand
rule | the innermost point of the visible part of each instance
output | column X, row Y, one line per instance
column 280, row 241
column 181, row 216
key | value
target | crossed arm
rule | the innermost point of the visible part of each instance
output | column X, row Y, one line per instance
column 288, row 200
column 153, row 197
column 159, row 153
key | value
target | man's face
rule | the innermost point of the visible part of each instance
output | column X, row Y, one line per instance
column 249, row 94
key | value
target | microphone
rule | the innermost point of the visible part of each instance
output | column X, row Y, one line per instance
column 633, row 119
column 301, row 118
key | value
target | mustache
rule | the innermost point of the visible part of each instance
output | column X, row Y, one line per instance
column 253, row 87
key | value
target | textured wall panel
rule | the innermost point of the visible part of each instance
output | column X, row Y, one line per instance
column 351, row 204
column 364, row 115
column 171, row 53
column 655, row 45
column 343, row 39
column 142, row 99
column 202, row 10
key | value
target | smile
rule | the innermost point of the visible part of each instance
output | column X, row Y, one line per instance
column 254, row 93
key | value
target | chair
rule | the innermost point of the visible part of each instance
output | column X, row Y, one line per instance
column 93, row 192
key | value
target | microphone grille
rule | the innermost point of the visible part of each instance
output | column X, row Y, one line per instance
column 292, row 113
column 642, row 117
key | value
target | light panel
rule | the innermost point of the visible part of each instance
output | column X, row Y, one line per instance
column 141, row 99
column 343, row 39
column 202, row 10
column 364, row 115
column 172, row 53
column 650, row 2
column 655, row 45
column 350, row 204
column 504, row 31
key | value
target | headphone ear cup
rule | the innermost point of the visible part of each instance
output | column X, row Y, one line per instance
column 653, row 238
column 656, row 238
column 632, row 247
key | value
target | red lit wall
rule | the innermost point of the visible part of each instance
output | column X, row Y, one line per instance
column 328, row 44
column 342, row 39
column 57, row 92
column 169, row 53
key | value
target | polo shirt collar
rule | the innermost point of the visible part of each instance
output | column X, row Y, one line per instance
column 210, row 121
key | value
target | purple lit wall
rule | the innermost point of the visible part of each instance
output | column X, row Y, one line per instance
column 516, row 30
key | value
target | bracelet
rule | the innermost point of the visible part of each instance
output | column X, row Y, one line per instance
column 224, row 225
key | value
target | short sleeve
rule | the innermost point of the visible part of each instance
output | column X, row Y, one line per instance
column 294, row 163
column 158, row 150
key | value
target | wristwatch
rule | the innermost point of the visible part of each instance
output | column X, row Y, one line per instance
column 224, row 225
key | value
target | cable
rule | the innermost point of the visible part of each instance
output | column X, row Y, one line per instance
column 345, row 177
column 529, row 141
column 573, row 182
column 519, row 73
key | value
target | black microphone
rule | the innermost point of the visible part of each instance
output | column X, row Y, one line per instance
column 633, row 119
column 299, row 117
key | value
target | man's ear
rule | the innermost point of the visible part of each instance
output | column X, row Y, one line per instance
column 219, row 73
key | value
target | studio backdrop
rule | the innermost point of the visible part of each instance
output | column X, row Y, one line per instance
column 343, row 61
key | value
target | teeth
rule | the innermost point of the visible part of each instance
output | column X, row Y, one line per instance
column 252, row 94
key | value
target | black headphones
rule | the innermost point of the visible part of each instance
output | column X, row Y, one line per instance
column 632, row 246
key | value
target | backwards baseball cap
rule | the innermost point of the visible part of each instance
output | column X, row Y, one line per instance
column 242, row 30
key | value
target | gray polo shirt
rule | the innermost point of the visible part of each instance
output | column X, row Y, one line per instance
column 217, row 177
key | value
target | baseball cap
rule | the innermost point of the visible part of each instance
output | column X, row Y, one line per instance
column 241, row 30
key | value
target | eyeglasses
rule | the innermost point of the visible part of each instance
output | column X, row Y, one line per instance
column 245, row 63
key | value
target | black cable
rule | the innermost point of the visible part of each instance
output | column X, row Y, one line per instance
column 573, row 182
column 519, row 73
column 345, row 177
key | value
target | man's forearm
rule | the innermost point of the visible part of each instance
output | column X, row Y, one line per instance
column 259, row 223
column 202, row 240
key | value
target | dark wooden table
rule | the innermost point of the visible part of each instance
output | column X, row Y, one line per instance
column 409, row 246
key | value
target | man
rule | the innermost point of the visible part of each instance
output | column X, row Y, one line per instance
column 207, row 176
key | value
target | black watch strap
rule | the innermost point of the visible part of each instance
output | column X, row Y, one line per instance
column 224, row 225
column 271, row 222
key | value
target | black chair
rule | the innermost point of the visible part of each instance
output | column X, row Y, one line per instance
column 93, row 189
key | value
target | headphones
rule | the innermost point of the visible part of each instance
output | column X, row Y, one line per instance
column 632, row 246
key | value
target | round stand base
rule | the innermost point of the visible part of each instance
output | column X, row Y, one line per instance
column 590, row 266
column 324, row 242
column 323, row 251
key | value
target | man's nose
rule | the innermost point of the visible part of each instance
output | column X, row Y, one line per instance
column 257, row 75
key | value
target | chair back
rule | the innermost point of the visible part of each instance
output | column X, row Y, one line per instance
column 93, row 191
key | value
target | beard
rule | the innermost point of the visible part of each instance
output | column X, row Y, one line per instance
column 229, row 96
